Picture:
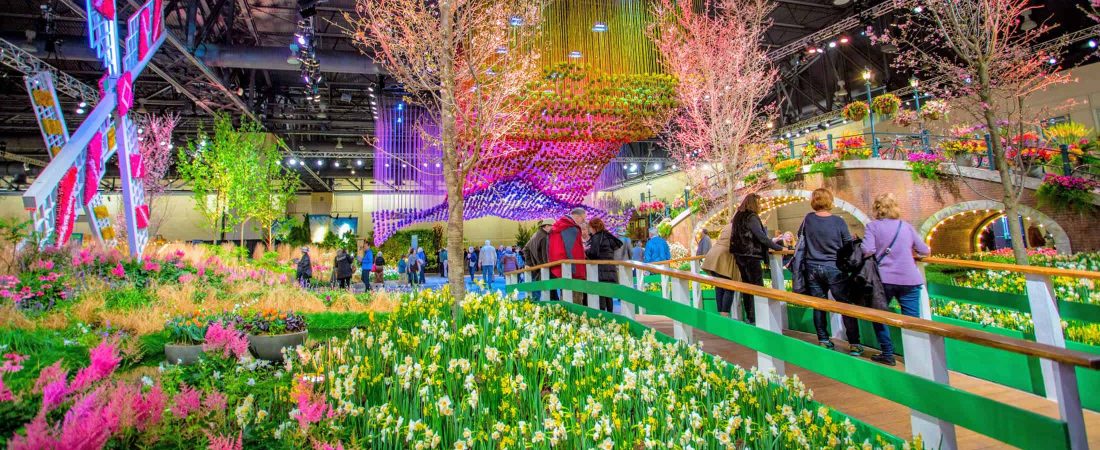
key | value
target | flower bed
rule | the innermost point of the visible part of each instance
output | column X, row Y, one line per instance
column 825, row 164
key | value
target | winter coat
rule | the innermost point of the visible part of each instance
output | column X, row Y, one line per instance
column 657, row 250
column 367, row 263
column 603, row 246
column 719, row 260
column 508, row 262
column 305, row 267
column 749, row 239
column 535, row 252
column 488, row 256
column 565, row 243
column 343, row 266
column 704, row 245
column 864, row 283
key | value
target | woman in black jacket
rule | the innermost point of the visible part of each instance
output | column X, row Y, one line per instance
column 750, row 244
column 342, row 269
column 602, row 246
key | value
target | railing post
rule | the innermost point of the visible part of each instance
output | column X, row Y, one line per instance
column 829, row 137
column 510, row 279
column 989, row 153
column 639, row 282
column 926, row 357
column 567, row 273
column 775, row 265
column 1067, row 167
column 1048, row 325
column 1069, row 404
column 626, row 280
column 771, row 315
column 592, row 273
column 696, row 288
column 681, row 294
column 544, row 274
column 664, row 286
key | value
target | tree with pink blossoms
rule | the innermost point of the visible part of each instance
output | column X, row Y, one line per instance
column 718, row 55
column 466, row 61
column 979, row 53
column 155, row 146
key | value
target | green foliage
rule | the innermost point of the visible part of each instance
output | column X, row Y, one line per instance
column 399, row 244
column 1061, row 198
column 924, row 171
column 128, row 298
column 340, row 321
column 523, row 234
column 788, row 174
column 299, row 232
column 826, row 169
column 187, row 329
column 331, row 241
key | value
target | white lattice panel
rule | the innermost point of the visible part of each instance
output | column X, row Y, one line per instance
column 133, row 193
column 47, row 109
column 103, row 36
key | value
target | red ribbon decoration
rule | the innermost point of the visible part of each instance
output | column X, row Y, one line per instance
column 92, row 167
column 141, row 216
column 66, row 206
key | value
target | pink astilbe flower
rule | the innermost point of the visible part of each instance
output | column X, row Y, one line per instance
column 12, row 363
column 226, row 340
column 185, row 402
column 225, row 442
column 87, row 425
column 214, row 401
column 310, row 410
column 151, row 266
column 328, row 446
column 119, row 271
column 104, row 360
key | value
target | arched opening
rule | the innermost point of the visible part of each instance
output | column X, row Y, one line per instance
column 785, row 209
column 981, row 225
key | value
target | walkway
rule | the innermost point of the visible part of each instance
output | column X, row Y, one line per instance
column 884, row 414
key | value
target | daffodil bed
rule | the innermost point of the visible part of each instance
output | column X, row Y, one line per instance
column 508, row 374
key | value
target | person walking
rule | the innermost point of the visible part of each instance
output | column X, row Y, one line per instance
column 721, row 263
column 535, row 253
column 822, row 235
column 379, row 269
column 893, row 242
column 508, row 261
column 443, row 262
column 471, row 262
column 602, row 246
column 304, row 272
column 402, row 269
column 412, row 267
column 366, row 266
column 657, row 248
column 488, row 262
column 566, row 242
column 342, row 268
column 704, row 244
column 749, row 244
column 423, row 264
column 638, row 253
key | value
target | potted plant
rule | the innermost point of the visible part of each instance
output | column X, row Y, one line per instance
column 934, row 110
column 270, row 330
column 1067, row 193
column 886, row 104
column 185, row 337
column 855, row 111
column 925, row 165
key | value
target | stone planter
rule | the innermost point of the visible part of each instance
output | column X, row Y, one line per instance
column 182, row 353
column 964, row 160
column 270, row 347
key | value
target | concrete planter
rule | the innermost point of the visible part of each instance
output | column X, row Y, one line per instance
column 270, row 347
column 182, row 353
column 964, row 160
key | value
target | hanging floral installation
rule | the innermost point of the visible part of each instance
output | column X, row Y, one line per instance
column 578, row 121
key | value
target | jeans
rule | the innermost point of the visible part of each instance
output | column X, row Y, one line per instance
column 909, row 299
column 724, row 297
column 443, row 269
column 752, row 272
column 413, row 278
column 343, row 283
column 487, row 275
column 365, row 273
column 422, row 278
column 822, row 280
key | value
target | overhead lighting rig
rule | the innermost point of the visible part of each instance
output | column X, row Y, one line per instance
column 304, row 52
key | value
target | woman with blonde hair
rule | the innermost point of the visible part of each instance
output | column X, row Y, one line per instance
column 893, row 243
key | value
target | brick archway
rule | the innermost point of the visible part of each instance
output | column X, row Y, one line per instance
column 838, row 203
column 1061, row 238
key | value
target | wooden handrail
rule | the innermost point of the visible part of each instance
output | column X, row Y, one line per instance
column 983, row 338
column 680, row 260
column 1033, row 270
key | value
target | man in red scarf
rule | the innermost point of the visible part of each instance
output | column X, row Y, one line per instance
column 567, row 242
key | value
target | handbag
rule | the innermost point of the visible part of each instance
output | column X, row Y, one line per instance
column 798, row 274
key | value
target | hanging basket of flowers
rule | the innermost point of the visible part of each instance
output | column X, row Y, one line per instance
column 905, row 118
column 1067, row 193
column 886, row 104
column 855, row 111
column 934, row 110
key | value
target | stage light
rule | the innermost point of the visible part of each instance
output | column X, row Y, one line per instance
column 359, row 162
column 600, row 27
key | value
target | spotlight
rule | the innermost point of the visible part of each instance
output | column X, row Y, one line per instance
column 400, row 106
column 301, row 40
column 319, row 163
column 1092, row 43
column 844, row 40
column 1053, row 61
column 359, row 162
column 291, row 162
column 80, row 110
column 82, row 104
column 656, row 166
column 336, row 164
column 832, row 44
column 918, row 9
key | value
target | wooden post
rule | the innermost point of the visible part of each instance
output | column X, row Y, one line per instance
column 775, row 265
column 544, row 274
column 1069, row 404
column 681, row 293
column 626, row 280
column 591, row 273
column 664, row 286
column 696, row 288
column 567, row 273
column 926, row 357
column 639, row 283
column 1048, row 326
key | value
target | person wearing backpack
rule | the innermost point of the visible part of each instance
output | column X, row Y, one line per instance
column 893, row 242
column 821, row 236
column 749, row 244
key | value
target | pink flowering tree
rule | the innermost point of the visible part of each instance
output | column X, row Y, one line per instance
column 154, row 145
column 718, row 55
column 977, row 52
column 466, row 61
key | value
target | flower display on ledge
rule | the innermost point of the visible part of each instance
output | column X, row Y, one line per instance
column 925, row 165
column 905, row 118
column 651, row 207
column 1066, row 192
column 787, row 170
column 853, row 147
column 825, row 164
column 886, row 104
column 855, row 111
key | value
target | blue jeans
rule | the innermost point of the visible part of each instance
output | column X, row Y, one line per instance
column 909, row 300
column 487, row 275
column 822, row 280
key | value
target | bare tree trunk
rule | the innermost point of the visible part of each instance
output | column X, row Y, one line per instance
column 242, row 232
column 731, row 189
column 452, row 175
column 1010, row 199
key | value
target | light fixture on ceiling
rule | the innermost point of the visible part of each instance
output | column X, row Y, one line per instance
column 339, row 144
column 841, row 2
column 1028, row 24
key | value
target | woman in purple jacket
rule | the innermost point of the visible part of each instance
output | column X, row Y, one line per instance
column 894, row 243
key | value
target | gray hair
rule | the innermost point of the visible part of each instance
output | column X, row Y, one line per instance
column 578, row 212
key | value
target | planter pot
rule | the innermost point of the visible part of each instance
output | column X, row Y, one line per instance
column 270, row 347
column 964, row 160
column 1036, row 171
column 182, row 354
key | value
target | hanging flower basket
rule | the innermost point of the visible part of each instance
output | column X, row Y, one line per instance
column 825, row 164
column 1068, row 193
column 886, row 104
column 934, row 110
column 905, row 118
column 925, row 166
column 855, row 111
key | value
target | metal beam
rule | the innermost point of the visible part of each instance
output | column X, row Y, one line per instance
column 833, row 30
column 13, row 56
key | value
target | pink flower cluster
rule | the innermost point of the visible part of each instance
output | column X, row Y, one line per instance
column 826, row 158
column 651, row 207
column 1030, row 252
column 225, row 339
column 925, row 158
column 1071, row 182
column 311, row 406
column 13, row 362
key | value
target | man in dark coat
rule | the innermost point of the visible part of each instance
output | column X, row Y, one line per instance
column 304, row 271
column 535, row 253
